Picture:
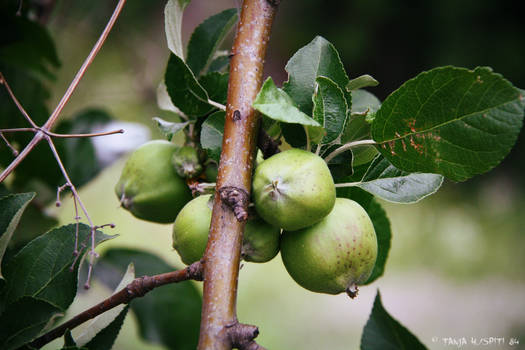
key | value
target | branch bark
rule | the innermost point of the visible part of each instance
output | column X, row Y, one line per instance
column 222, row 255
column 136, row 289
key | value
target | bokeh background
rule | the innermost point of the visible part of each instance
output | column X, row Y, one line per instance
column 456, row 266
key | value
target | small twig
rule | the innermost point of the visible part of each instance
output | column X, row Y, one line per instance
column 267, row 145
column 217, row 105
column 96, row 48
column 42, row 132
column 242, row 336
column 52, row 134
column 136, row 289
column 348, row 184
column 308, row 146
column 347, row 147
column 318, row 150
column 15, row 100
column 10, row 146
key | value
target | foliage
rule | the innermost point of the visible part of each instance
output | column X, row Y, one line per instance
column 446, row 123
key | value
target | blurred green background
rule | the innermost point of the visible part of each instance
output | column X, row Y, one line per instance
column 456, row 264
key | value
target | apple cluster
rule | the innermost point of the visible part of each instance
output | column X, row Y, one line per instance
column 327, row 244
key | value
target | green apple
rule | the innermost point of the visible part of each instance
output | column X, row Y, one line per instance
column 191, row 227
column 186, row 162
column 335, row 255
column 293, row 189
column 149, row 187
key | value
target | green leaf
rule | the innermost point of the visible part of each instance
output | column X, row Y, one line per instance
column 42, row 269
column 382, row 332
column 318, row 58
column 217, row 86
column 381, row 226
column 206, row 39
column 384, row 236
column 23, row 320
column 170, row 315
column 103, row 329
column 220, row 63
column 105, row 338
column 20, row 36
column 11, row 209
column 330, row 109
column 168, row 129
column 173, row 25
column 389, row 183
column 363, row 102
column 185, row 91
column 211, row 135
column 361, row 82
column 451, row 121
column 276, row 104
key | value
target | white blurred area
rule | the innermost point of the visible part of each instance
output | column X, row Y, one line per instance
column 110, row 148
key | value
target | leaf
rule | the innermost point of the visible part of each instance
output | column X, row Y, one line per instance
column 220, row 63
column 206, row 39
column 318, row 58
column 20, row 36
column 384, row 236
column 42, row 268
column 382, row 332
column 23, row 320
column 330, row 109
column 168, row 129
column 185, row 91
column 363, row 102
column 173, row 25
column 105, row 339
column 276, row 104
column 164, row 100
column 169, row 315
column 11, row 209
column 381, row 226
column 211, row 135
column 104, row 328
column 217, row 86
column 451, row 121
column 389, row 183
column 361, row 82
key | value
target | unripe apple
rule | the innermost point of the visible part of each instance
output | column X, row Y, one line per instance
column 186, row 162
column 149, row 187
column 335, row 255
column 191, row 227
column 293, row 189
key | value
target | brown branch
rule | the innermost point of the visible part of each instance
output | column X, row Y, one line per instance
column 242, row 336
column 223, row 252
column 136, row 289
column 54, row 116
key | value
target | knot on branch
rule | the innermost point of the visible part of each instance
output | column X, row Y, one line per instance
column 139, row 287
column 267, row 145
column 237, row 199
column 196, row 271
column 242, row 336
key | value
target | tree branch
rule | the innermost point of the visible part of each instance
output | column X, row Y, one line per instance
column 222, row 257
column 136, row 289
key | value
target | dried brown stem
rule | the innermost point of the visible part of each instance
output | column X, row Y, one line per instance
column 41, row 133
column 136, row 289
column 267, row 145
column 223, row 252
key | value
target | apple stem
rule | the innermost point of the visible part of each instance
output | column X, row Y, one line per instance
column 352, row 290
